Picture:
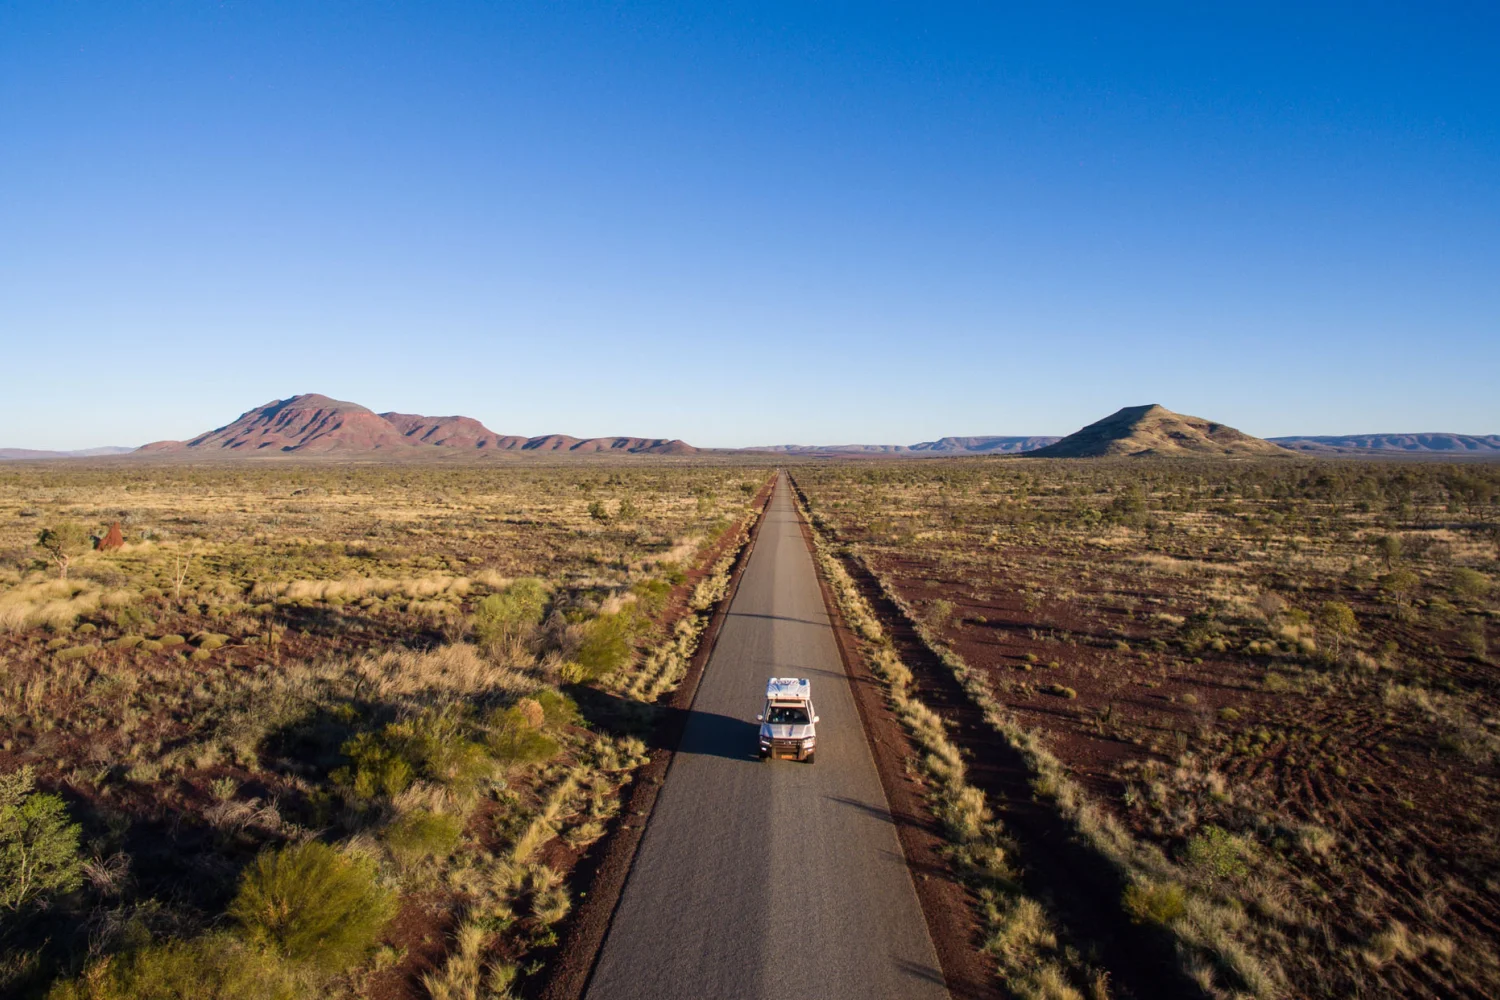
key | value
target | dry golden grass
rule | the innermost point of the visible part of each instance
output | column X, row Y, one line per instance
column 218, row 672
column 1298, row 655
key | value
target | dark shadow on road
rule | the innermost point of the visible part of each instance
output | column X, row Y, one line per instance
column 662, row 727
column 779, row 618
column 878, row 812
column 918, row 971
column 711, row 735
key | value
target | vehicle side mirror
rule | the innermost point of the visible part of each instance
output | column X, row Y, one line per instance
column 760, row 718
column 815, row 718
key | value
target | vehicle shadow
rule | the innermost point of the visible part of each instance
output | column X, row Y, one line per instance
column 711, row 735
column 661, row 727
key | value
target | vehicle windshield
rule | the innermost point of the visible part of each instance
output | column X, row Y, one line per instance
column 787, row 715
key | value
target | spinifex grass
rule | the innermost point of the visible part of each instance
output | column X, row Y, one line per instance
column 1262, row 690
column 289, row 652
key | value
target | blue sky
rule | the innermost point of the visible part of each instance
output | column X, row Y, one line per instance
column 749, row 223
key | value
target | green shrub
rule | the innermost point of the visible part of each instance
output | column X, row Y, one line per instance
column 1216, row 854
column 421, row 834
column 312, row 904
column 1471, row 636
column 1155, row 903
column 651, row 595
column 38, row 846
column 1059, row 690
column 1468, row 584
column 219, row 967
column 375, row 767
column 514, row 740
column 606, row 644
column 557, row 708
column 514, row 611
column 434, row 745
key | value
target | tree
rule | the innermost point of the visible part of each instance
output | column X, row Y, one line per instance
column 1389, row 548
column 1337, row 620
column 63, row 544
column 1400, row 584
column 38, row 846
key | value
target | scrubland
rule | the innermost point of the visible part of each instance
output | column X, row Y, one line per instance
column 1261, row 695
column 329, row 730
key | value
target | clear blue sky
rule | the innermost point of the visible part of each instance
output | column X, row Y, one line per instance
column 749, row 223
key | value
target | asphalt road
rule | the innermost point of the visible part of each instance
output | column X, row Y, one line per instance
column 770, row 879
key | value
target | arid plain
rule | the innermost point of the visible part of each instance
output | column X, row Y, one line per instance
column 1175, row 712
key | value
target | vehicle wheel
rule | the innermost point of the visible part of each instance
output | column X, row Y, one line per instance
column 810, row 757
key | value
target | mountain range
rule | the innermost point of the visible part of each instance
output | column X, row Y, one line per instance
column 991, row 445
column 22, row 454
column 311, row 424
column 1412, row 444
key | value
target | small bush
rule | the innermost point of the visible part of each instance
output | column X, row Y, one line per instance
column 1468, row 584
column 1216, row 855
column 434, row 746
column 514, row 740
column 1155, row 903
column 606, row 645
column 212, row 968
column 557, row 708
column 421, row 834
column 38, row 846
column 1059, row 690
column 1471, row 637
column 515, row 611
column 312, row 904
column 375, row 767
column 652, row 595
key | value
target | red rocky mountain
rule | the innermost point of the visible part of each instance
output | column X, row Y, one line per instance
column 311, row 424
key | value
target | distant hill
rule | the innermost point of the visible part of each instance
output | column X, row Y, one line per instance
column 984, row 445
column 1406, row 444
column 22, row 454
column 312, row 424
column 943, row 446
column 1154, row 430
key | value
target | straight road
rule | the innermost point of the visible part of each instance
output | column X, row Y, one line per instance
column 770, row 879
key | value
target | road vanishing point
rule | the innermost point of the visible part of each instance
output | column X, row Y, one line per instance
column 770, row 879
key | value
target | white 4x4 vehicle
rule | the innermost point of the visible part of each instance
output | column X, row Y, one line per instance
column 787, row 724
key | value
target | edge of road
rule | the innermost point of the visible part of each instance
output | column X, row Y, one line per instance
column 583, row 938
column 948, row 907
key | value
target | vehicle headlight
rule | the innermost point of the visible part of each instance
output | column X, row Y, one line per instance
column 808, row 741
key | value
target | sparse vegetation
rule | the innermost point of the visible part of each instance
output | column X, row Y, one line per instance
column 310, row 903
column 1281, row 680
column 340, row 676
column 38, row 846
